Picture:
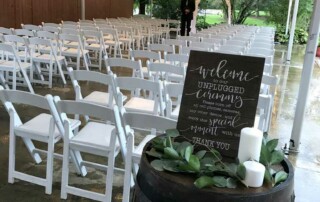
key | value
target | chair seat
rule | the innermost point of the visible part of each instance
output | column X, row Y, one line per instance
column 9, row 66
column 138, row 149
column 95, row 135
column 140, row 105
column 38, row 126
column 46, row 58
column 72, row 44
column 98, row 97
column 93, row 46
column 72, row 52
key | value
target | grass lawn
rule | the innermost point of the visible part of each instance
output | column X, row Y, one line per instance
column 217, row 19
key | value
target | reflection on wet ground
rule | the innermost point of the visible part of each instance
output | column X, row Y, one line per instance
column 306, row 162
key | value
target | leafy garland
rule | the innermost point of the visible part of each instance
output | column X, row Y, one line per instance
column 180, row 157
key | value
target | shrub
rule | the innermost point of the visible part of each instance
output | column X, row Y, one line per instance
column 300, row 36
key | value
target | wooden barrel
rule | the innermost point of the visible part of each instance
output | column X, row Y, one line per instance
column 156, row 186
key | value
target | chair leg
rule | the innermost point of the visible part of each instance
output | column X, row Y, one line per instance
column 65, row 169
column 49, row 174
column 110, row 171
column 26, row 78
column 59, row 65
column 128, row 171
column 12, row 148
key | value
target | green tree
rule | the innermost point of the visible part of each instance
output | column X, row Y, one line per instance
column 166, row 9
column 240, row 10
column 278, row 10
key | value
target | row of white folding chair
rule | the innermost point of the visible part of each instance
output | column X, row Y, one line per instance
column 79, row 53
column 145, row 95
column 97, row 138
column 44, row 127
column 148, row 56
column 14, row 66
column 136, row 30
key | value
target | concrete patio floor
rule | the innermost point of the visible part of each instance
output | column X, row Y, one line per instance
column 306, row 162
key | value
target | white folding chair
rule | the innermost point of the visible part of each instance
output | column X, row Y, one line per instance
column 125, row 34
column 40, row 128
column 24, row 32
column 111, row 38
column 105, row 98
column 123, row 64
column 264, row 109
column 186, row 50
column 162, row 48
column 146, row 96
column 46, row 24
column 144, row 56
column 20, row 44
column 167, row 72
column 50, row 60
column 177, row 59
column 209, row 46
column 268, row 87
column 151, row 126
column 93, row 41
column 95, row 137
column 78, row 52
column 52, row 29
column 173, row 95
column 6, row 31
column 15, row 66
column 178, row 44
column 174, row 26
column 31, row 27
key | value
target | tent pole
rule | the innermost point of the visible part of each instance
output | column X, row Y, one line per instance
column 288, row 18
column 83, row 9
column 306, row 77
column 293, row 28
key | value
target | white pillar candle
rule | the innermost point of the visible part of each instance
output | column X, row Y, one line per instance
column 250, row 144
column 254, row 174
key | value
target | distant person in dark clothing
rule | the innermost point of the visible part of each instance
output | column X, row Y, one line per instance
column 187, row 8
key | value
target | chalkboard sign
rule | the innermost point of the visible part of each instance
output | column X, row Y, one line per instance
column 219, row 98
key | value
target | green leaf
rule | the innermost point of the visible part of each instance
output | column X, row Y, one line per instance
column 216, row 155
column 272, row 144
column 268, row 176
column 168, row 142
column 170, row 165
column 157, row 165
column 171, row 153
column 188, row 153
column 232, row 167
column 281, row 176
column 172, row 132
column 241, row 171
column 219, row 181
column 182, row 147
column 194, row 163
column 231, row 183
column 203, row 181
column 201, row 154
column 276, row 157
column 154, row 153
column 264, row 155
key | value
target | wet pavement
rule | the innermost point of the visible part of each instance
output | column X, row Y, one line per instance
column 306, row 162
